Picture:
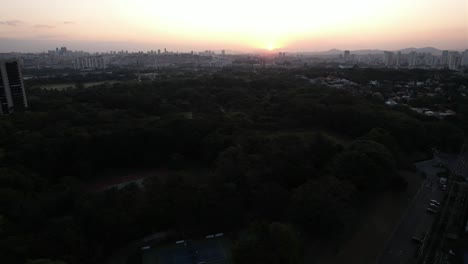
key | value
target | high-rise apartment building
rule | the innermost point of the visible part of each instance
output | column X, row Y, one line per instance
column 398, row 60
column 89, row 63
column 388, row 58
column 454, row 60
column 444, row 58
column 428, row 59
column 412, row 59
column 12, row 93
column 464, row 61
column 347, row 55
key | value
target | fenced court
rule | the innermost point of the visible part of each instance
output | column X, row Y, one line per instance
column 210, row 250
column 179, row 254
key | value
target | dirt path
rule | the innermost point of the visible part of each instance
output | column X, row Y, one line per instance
column 122, row 178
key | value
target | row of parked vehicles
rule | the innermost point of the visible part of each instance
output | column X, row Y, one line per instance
column 433, row 207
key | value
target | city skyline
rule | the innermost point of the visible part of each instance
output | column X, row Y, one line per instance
column 295, row 26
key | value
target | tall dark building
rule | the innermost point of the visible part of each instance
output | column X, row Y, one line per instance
column 12, row 93
column 347, row 55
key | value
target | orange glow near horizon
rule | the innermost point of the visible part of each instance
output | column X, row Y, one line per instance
column 239, row 25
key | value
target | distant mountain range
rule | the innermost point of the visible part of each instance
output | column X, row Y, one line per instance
column 431, row 50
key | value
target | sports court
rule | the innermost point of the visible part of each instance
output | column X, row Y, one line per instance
column 210, row 250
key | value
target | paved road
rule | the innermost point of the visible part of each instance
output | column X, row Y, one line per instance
column 401, row 248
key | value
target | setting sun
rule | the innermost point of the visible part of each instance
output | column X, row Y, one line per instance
column 271, row 43
column 270, row 47
column 295, row 25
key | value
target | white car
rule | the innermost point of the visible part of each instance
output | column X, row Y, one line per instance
column 416, row 239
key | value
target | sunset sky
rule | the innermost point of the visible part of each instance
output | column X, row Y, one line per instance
column 242, row 25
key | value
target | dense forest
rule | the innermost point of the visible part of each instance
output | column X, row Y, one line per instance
column 278, row 159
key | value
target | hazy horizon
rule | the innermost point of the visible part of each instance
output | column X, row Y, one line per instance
column 295, row 25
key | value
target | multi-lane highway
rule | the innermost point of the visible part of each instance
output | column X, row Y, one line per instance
column 416, row 220
column 438, row 249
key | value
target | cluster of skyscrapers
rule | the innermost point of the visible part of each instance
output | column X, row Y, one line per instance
column 62, row 51
column 448, row 59
column 90, row 62
column 282, row 55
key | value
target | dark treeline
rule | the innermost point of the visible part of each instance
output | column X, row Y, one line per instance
column 281, row 160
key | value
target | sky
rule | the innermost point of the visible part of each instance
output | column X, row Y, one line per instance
column 239, row 25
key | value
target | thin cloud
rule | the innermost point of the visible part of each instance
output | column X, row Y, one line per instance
column 49, row 36
column 11, row 23
column 44, row 26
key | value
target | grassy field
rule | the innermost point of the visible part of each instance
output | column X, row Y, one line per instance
column 62, row 86
column 378, row 221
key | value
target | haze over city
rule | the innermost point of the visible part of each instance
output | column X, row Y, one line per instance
column 295, row 25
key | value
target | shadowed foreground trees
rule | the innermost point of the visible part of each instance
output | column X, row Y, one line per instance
column 264, row 147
